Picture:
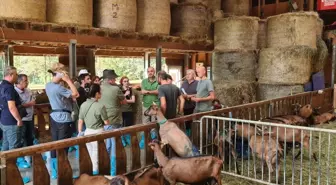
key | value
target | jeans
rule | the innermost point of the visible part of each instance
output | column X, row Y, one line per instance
column 111, row 147
column 11, row 137
column 60, row 131
column 28, row 133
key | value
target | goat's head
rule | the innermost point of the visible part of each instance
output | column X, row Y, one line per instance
column 306, row 111
column 120, row 180
column 152, row 110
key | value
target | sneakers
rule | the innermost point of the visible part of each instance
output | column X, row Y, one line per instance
column 53, row 168
column 25, row 180
column 22, row 163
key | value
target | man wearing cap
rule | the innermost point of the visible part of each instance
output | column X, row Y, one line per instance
column 85, row 81
column 112, row 98
column 61, row 100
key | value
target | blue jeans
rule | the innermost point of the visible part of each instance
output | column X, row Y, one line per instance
column 11, row 137
column 111, row 147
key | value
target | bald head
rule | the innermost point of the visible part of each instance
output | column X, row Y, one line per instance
column 150, row 72
column 201, row 71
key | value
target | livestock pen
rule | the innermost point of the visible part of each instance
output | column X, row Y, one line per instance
column 10, row 174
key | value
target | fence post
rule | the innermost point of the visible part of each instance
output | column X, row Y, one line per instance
column 2, row 171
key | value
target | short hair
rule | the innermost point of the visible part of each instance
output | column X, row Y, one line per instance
column 122, row 79
column 93, row 90
column 166, row 76
column 9, row 70
column 20, row 78
column 191, row 70
column 82, row 77
column 161, row 73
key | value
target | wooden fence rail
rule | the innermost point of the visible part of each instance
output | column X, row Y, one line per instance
column 10, row 174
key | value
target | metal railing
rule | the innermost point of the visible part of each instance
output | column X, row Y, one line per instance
column 289, row 149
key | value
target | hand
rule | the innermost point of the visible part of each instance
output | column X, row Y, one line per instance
column 32, row 103
column 20, row 123
column 66, row 78
column 144, row 92
column 127, row 93
column 80, row 134
column 195, row 99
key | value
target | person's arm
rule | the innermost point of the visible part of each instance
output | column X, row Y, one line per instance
column 121, row 97
column 211, row 96
column 155, row 92
column 29, row 104
column 163, row 105
column 181, row 104
column 132, row 100
column 80, row 125
column 103, row 115
column 14, row 111
column 74, row 91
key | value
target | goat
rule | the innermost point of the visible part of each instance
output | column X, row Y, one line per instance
column 322, row 118
column 85, row 179
column 188, row 170
column 171, row 134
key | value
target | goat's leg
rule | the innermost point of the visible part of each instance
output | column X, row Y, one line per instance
column 307, row 147
column 234, row 155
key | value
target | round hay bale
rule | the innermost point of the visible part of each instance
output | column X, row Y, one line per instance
column 231, row 66
column 154, row 17
column 190, row 21
column 292, row 29
column 236, row 7
column 215, row 4
column 216, row 14
column 195, row 2
column 321, row 55
column 74, row 12
column 237, row 93
column 262, row 34
column 236, row 33
column 289, row 66
column 118, row 15
column 319, row 27
column 23, row 9
column 174, row 2
column 269, row 91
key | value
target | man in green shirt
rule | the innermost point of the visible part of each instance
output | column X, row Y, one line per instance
column 112, row 98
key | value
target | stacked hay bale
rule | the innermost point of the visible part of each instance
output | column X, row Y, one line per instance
column 122, row 16
column 322, row 50
column 74, row 12
column 235, row 59
column 236, row 7
column 154, row 17
column 23, row 9
column 286, row 64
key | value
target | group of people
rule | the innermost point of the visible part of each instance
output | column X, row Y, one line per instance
column 102, row 105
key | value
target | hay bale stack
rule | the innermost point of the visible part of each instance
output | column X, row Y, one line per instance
column 268, row 91
column 23, row 9
column 195, row 2
column 74, row 12
column 236, row 7
column 154, row 17
column 262, row 34
column 321, row 55
column 236, row 33
column 235, row 66
column 291, row 65
column 292, row 29
column 237, row 93
column 190, row 21
column 120, row 15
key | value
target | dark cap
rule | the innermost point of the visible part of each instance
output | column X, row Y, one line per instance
column 109, row 73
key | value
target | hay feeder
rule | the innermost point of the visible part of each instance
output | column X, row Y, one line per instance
column 236, row 33
column 119, row 15
column 32, row 10
column 232, row 66
column 271, row 91
column 290, row 65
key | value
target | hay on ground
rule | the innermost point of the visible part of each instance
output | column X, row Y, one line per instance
column 235, row 93
column 292, row 29
column 23, row 9
column 269, row 91
column 231, row 66
column 122, row 16
column 262, row 34
column 320, row 57
column 290, row 65
column 190, row 21
column 236, row 7
column 235, row 33
column 154, row 17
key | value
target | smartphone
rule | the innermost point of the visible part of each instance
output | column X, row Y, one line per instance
column 59, row 75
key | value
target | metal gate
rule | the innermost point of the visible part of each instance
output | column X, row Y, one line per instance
column 252, row 149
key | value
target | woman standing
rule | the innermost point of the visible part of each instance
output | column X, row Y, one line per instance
column 95, row 117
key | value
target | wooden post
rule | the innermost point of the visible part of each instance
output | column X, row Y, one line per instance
column 158, row 58
column 276, row 7
column 91, row 62
column 259, row 5
column 72, row 58
column 2, row 171
column 146, row 62
column 311, row 5
column 334, row 102
column 9, row 56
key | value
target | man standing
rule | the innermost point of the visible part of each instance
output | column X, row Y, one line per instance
column 10, row 116
column 188, row 89
column 28, row 102
column 85, row 81
column 169, row 96
column 149, row 89
column 205, row 92
column 112, row 98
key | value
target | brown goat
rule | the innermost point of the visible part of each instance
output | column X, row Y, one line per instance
column 86, row 179
column 323, row 118
column 188, row 170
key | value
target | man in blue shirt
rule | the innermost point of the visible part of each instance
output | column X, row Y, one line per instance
column 61, row 100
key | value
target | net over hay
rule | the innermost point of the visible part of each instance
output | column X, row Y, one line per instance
column 268, row 91
column 231, row 66
column 23, row 9
column 290, row 65
column 292, row 29
column 116, row 14
column 195, row 2
column 154, row 17
column 236, row 33
column 320, row 57
column 190, row 21
column 236, row 7
column 262, row 34
column 74, row 12
column 231, row 94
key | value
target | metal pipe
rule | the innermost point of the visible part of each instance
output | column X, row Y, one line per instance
column 72, row 58
column 333, row 64
column 158, row 58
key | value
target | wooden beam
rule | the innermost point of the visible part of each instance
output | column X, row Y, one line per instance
column 32, row 37
column 30, row 50
column 134, row 54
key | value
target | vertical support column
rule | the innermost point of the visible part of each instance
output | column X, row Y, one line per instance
column 72, row 58
column 333, row 60
column 158, row 58
column 91, row 62
column 186, row 64
column 311, row 5
column 259, row 8
column 146, row 63
column 9, row 56
column 276, row 7
column 193, row 61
